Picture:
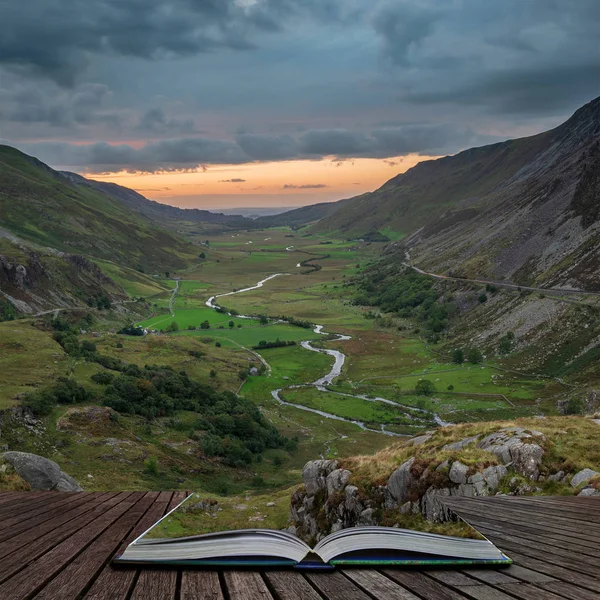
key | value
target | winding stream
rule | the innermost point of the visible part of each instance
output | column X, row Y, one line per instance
column 336, row 369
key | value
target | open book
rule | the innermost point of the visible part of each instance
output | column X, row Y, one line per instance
column 267, row 547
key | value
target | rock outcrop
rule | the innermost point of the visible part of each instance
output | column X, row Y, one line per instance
column 40, row 473
column 331, row 500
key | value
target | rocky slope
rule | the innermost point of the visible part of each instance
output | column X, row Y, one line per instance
column 35, row 280
column 525, row 210
column 405, row 484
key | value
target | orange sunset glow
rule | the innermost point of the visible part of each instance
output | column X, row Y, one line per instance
column 287, row 183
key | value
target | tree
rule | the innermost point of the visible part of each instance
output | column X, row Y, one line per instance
column 167, row 274
column 213, row 373
column 425, row 387
column 205, row 325
column 174, row 326
column 262, row 319
column 506, row 343
column 483, row 298
column 231, row 324
column 474, row 356
column 458, row 356
column 202, row 255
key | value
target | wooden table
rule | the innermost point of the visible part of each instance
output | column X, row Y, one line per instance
column 59, row 546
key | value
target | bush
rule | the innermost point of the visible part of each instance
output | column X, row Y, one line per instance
column 458, row 356
column 103, row 378
column 425, row 387
column 151, row 466
column 474, row 356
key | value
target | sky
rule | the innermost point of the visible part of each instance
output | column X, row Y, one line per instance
column 227, row 103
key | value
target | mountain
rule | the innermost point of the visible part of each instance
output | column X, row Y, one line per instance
column 42, row 207
column 162, row 214
column 525, row 210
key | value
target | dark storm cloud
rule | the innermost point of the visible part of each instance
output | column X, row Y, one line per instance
column 191, row 153
column 512, row 57
column 55, row 38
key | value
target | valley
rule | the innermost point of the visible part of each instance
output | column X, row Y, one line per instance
column 223, row 356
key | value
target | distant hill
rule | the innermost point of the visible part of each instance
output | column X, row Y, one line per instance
column 302, row 216
column 43, row 207
column 162, row 214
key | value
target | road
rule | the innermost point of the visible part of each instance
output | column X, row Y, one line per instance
column 502, row 284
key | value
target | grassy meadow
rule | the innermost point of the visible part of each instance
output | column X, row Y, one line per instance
column 380, row 362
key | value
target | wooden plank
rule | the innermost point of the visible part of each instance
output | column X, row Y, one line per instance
column 511, row 513
column 548, row 509
column 527, row 575
column 36, row 519
column 35, row 548
column 77, row 576
column 548, row 545
column 451, row 577
column 533, row 530
column 30, row 511
column 549, row 554
column 115, row 584
column 485, row 593
column 567, row 590
column 334, row 586
column 9, row 497
column 423, row 586
column 246, row 585
column 28, row 502
column 557, row 571
column 148, row 586
column 162, row 578
column 528, row 591
column 290, row 585
column 37, row 573
column 201, row 585
column 56, row 518
column 474, row 513
column 378, row 585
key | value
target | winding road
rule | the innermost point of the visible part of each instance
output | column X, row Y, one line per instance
column 513, row 286
column 321, row 383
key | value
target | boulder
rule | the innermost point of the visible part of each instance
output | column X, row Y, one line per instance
column 461, row 444
column 314, row 474
column 584, row 476
column 41, row 473
column 399, row 483
column 337, row 480
column 458, row 472
column 589, row 491
column 515, row 446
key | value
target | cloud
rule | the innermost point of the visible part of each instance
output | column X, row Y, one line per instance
column 62, row 38
column 267, row 147
column 234, row 180
column 180, row 154
column 511, row 57
column 305, row 186
column 155, row 121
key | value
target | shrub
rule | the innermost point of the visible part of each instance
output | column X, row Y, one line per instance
column 474, row 356
column 151, row 466
column 425, row 387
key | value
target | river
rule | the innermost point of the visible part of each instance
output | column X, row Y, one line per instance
column 336, row 369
